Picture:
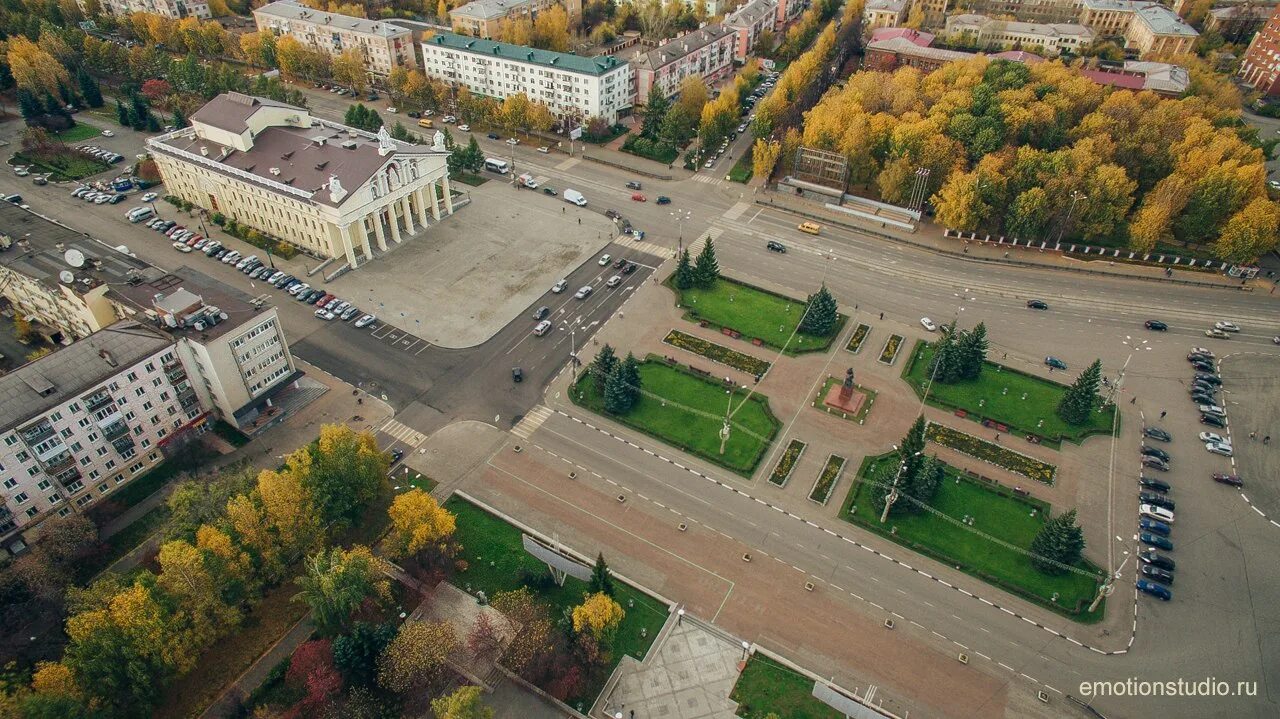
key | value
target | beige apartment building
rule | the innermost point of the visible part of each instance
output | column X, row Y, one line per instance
column 481, row 18
column 175, row 9
column 331, row 189
column 1157, row 30
column 384, row 45
column 883, row 13
column 1049, row 39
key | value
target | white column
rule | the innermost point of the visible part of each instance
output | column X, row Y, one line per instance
column 362, row 233
column 377, row 230
column 343, row 242
column 435, row 201
column 420, row 200
column 395, row 226
column 408, row 215
column 448, row 196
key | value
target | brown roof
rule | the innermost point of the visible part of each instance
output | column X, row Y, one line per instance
column 230, row 111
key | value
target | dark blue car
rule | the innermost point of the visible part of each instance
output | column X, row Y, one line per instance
column 1155, row 590
column 1156, row 541
column 1155, row 527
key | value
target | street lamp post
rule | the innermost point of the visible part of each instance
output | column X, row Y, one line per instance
column 680, row 216
column 893, row 490
column 1076, row 196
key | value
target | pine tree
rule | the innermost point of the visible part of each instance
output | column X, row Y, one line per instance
column 28, row 105
column 89, row 88
column 685, row 277
column 912, row 452
column 926, row 481
column 973, row 352
column 706, row 270
column 655, row 112
column 820, row 314
column 153, row 125
column 179, row 119
column 601, row 577
column 354, row 116
column 947, row 363
column 630, row 370
column 1082, row 396
column 475, row 156
column 122, row 114
column 64, row 92
column 602, row 367
column 1059, row 541
column 617, row 399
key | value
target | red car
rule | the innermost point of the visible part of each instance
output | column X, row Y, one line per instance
column 1231, row 479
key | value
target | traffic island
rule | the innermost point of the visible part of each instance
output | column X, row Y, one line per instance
column 743, row 311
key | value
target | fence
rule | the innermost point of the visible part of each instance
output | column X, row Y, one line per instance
column 1166, row 260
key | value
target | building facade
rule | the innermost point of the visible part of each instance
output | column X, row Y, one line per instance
column 1039, row 11
column 788, row 11
column 747, row 22
column 1157, row 30
column 1108, row 18
column 572, row 86
column 331, row 189
column 481, row 18
column 174, row 9
column 1237, row 23
column 79, row 423
column 706, row 53
column 883, row 13
column 385, row 46
column 1049, row 39
column 713, row 7
column 1260, row 67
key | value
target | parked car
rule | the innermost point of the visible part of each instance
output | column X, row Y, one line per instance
column 1219, row 448
column 1213, row 420
column 1149, row 483
column 1155, row 452
column 1156, row 500
column 1212, row 379
column 1213, row 437
column 928, row 324
column 1156, row 325
column 149, row 197
column 1202, row 366
column 1231, row 479
column 350, row 312
column 1055, row 363
column 1213, row 409
column 324, row 314
column 517, row 374
column 492, row 135
column 1154, row 512
column 1037, row 304
column 1156, row 573
column 1148, row 587
column 1203, row 351
column 366, row 320
column 1156, row 559
column 1155, row 540
column 1151, row 525
column 544, row 149
column 1157, row 433
column 1155, row 463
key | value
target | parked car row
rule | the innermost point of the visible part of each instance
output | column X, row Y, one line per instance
column 1155, row 519
column 1205, row 385
column 101, row 154
column 88, row 194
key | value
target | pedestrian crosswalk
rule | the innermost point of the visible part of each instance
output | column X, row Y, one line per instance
column 696, row 246
column 708, row 180
column 736, row 211
column 568, row 164
column 646, row 247
column 403, row 433
column 532, row 421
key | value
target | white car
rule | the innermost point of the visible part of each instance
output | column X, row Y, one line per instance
column 1159, row 514
column 1218, row 448
column 512, row 141
column 544, row 149
column 324, row 314
column 1212, row 409
column 614, row 281
column 464, row 127
column 604, row 260
column 1202, row 351
column 542, row 328
column 181, row 247
column 366, row 321
column 108, row 133
column 928, row 324
column 1212, row 437
column 558, row 287
column 1216, row 333
column 149, row 197
column 391, row 110
column 584, row 291
column 1226, row 326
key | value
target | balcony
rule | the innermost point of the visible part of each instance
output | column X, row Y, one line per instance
column 60, row 463
column 70, row 474
column 5, row 513
column 38, row 432
column 123, row 444
column 175, row 374
column 115, row 429
column 98, row 401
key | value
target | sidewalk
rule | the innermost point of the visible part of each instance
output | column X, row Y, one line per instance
column 252, row 678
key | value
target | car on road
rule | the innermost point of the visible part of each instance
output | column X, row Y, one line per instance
column 1055, row 363
column 366, row 321
column 620, row 263
column 1226, row 326
column 544, row 149
column 1156, row 573
column 1217, row 334
column 396, row 455
column 467, row 128
column 637, row 197
column 1155, row 463
column 775, row 246
column 1219, row 448
column 1037, row 305
column 633, row 185
column 492, row 135
column 584, row 292
column 928, row 324
column 1157, row 433
column 1155, row 452
column 811, row 228
column 108, row 133
column 1155, row 540
column 1150, row 483
column 631, row 267
column 1213, row 420
column 614, row 281
column 1231, row 479
column 542, row 328
column 1157, row 513
column 1156, row 559
column 604, row 260
column 558, row 287
column 541, row 313
column 1148, row 524
column 1149, row 587
column 1213, row 437
column 1213, row 409
column 512, row 141
column 1156, row 500
column 663, row 200
column 1208, row 378
column 517, row 374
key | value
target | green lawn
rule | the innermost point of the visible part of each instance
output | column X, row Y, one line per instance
column 65, row 165
column 742, row 169
column 765, row 687
column 81, row 131
column 755, row 313
column 1007, row 407
column 1002, row 516
column 688, row 412
column 496, row 562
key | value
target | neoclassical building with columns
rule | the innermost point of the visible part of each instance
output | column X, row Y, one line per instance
column 331, row 189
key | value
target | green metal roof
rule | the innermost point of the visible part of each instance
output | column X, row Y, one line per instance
column 546, row 58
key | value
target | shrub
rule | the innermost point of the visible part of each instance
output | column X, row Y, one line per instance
column 717, row 353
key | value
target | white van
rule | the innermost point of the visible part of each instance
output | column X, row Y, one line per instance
column 575, row 197
column 138, row 214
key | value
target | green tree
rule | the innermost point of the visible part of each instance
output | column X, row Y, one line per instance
column 601, row 577
column 1082, row 396
column 655, row 111
column 343, row 471
column 685, row 277
column 179, row 118
column 602, row 367
column 337, row 583
column 820, row 313
column 30, row 108
column 463, row 703
column 924, row 484
column 973, row 351
column 617, row 397
column 947, row 364
column 474, row 157
column 630, row 369
column 1028, row 218
column 1060, row 541
column 706, row 270
column 89, row 89
column 356, row 654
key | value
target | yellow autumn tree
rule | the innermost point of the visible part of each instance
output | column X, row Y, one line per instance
column 249, row 522
column 348, row 68
column 463, row 703
column 288, row 506
column 33, row 68
column 599, row 616
column 416, row 655
column 55, row 679
column 418, row 523
column 551, row 29
column 1250, row 233
column 764, row 155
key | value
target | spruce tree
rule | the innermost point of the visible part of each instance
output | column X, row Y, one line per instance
column 706, row 270
column 925, row 482
column 601, row 578
column 911, row 451
column 655, row 112
column 685, row 278
column 1059, row 541
column 89, row 88
column 973, row 352
column 179, row 119
column 64, row 92
column 602, row 367
column 881, row 485
column 630, row 370
column 617, row 398
column 475, row 156
column 122, row 114
column 820, row 314
column 1082, row 396
column 28, row 105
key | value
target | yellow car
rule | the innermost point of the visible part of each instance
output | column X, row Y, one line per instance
column 812, row 228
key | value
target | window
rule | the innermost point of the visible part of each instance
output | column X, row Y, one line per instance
column 31, row 513
column 164, row 396
column 55, row 417
column 157, row 382
column 23, row 457
column 104, row 488
column 136, row 467
column 43, row 485
column 21, row 498
column 10, row 483
column 147, row 405
column 132, row 376
column 93, row 437
column 64, row 511
column 153, row 456
column 130, row 416
column 84, row 500
column 111, row 464
column 146, row 443
column 140, row 391
column 151, row 366
column 66, row 433
column 54, row 498
column 75, row 447
column 11, row 440
column 33, row 471
column 94, row 475
column 83, row 422
column 162, row 432
column 73, row 407
column 101, row 451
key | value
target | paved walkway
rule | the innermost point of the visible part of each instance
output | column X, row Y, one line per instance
column 227, row 704
column 689, row 677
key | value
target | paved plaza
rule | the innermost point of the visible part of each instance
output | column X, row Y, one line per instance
column 689, row 677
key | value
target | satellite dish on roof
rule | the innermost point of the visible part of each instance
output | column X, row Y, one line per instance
column 66, row 277
column 74, row 257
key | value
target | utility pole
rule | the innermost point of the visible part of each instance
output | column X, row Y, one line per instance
column 1076, row 196
column 893, row 490
column 724, row 430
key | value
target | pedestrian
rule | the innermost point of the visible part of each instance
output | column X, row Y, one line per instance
column 1163, row 413
column 1266, row 440
column 997, row 436
column 579, row 220
column 1253, row 435
column 562, row 210
column 881, row 315
column 1133, row 400
column 1006, row 355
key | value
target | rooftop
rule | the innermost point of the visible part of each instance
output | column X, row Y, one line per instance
column 922, row 39
column 982, row 23
column 679, row 47
column 1022, row 56
column 1113, row 5
column 486, row 9
column 903, row 46
column 546, row 58
column 188, row 296
column 42, row 248
column 887, row 5
column 752, row 12
column 231, row 111
column 1163, row 21
column 74, row 370
column 290, row 10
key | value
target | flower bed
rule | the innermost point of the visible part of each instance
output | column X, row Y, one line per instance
column 991, row 453
column 827, row 480
column 787, row 462
column 717, row 353
column 859, row 336
column 891, row 347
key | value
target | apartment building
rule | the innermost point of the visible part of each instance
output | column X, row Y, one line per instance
column 747, row 22
column 1049, row 39
column 1260, row 67
column 384, row 45
column 713, row 7
column 707, row 53
column 175, row 9
column 892, row 48
column 570, row 85
column 331, row 189
column 1155, row 29
column 1237, row 23
column 1108, row 18
column 1037, row 11
column 789, row 10
column 77, row 424
column 481, row 18
column 884, row 13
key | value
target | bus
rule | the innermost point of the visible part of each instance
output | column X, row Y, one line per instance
column 493, row 164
